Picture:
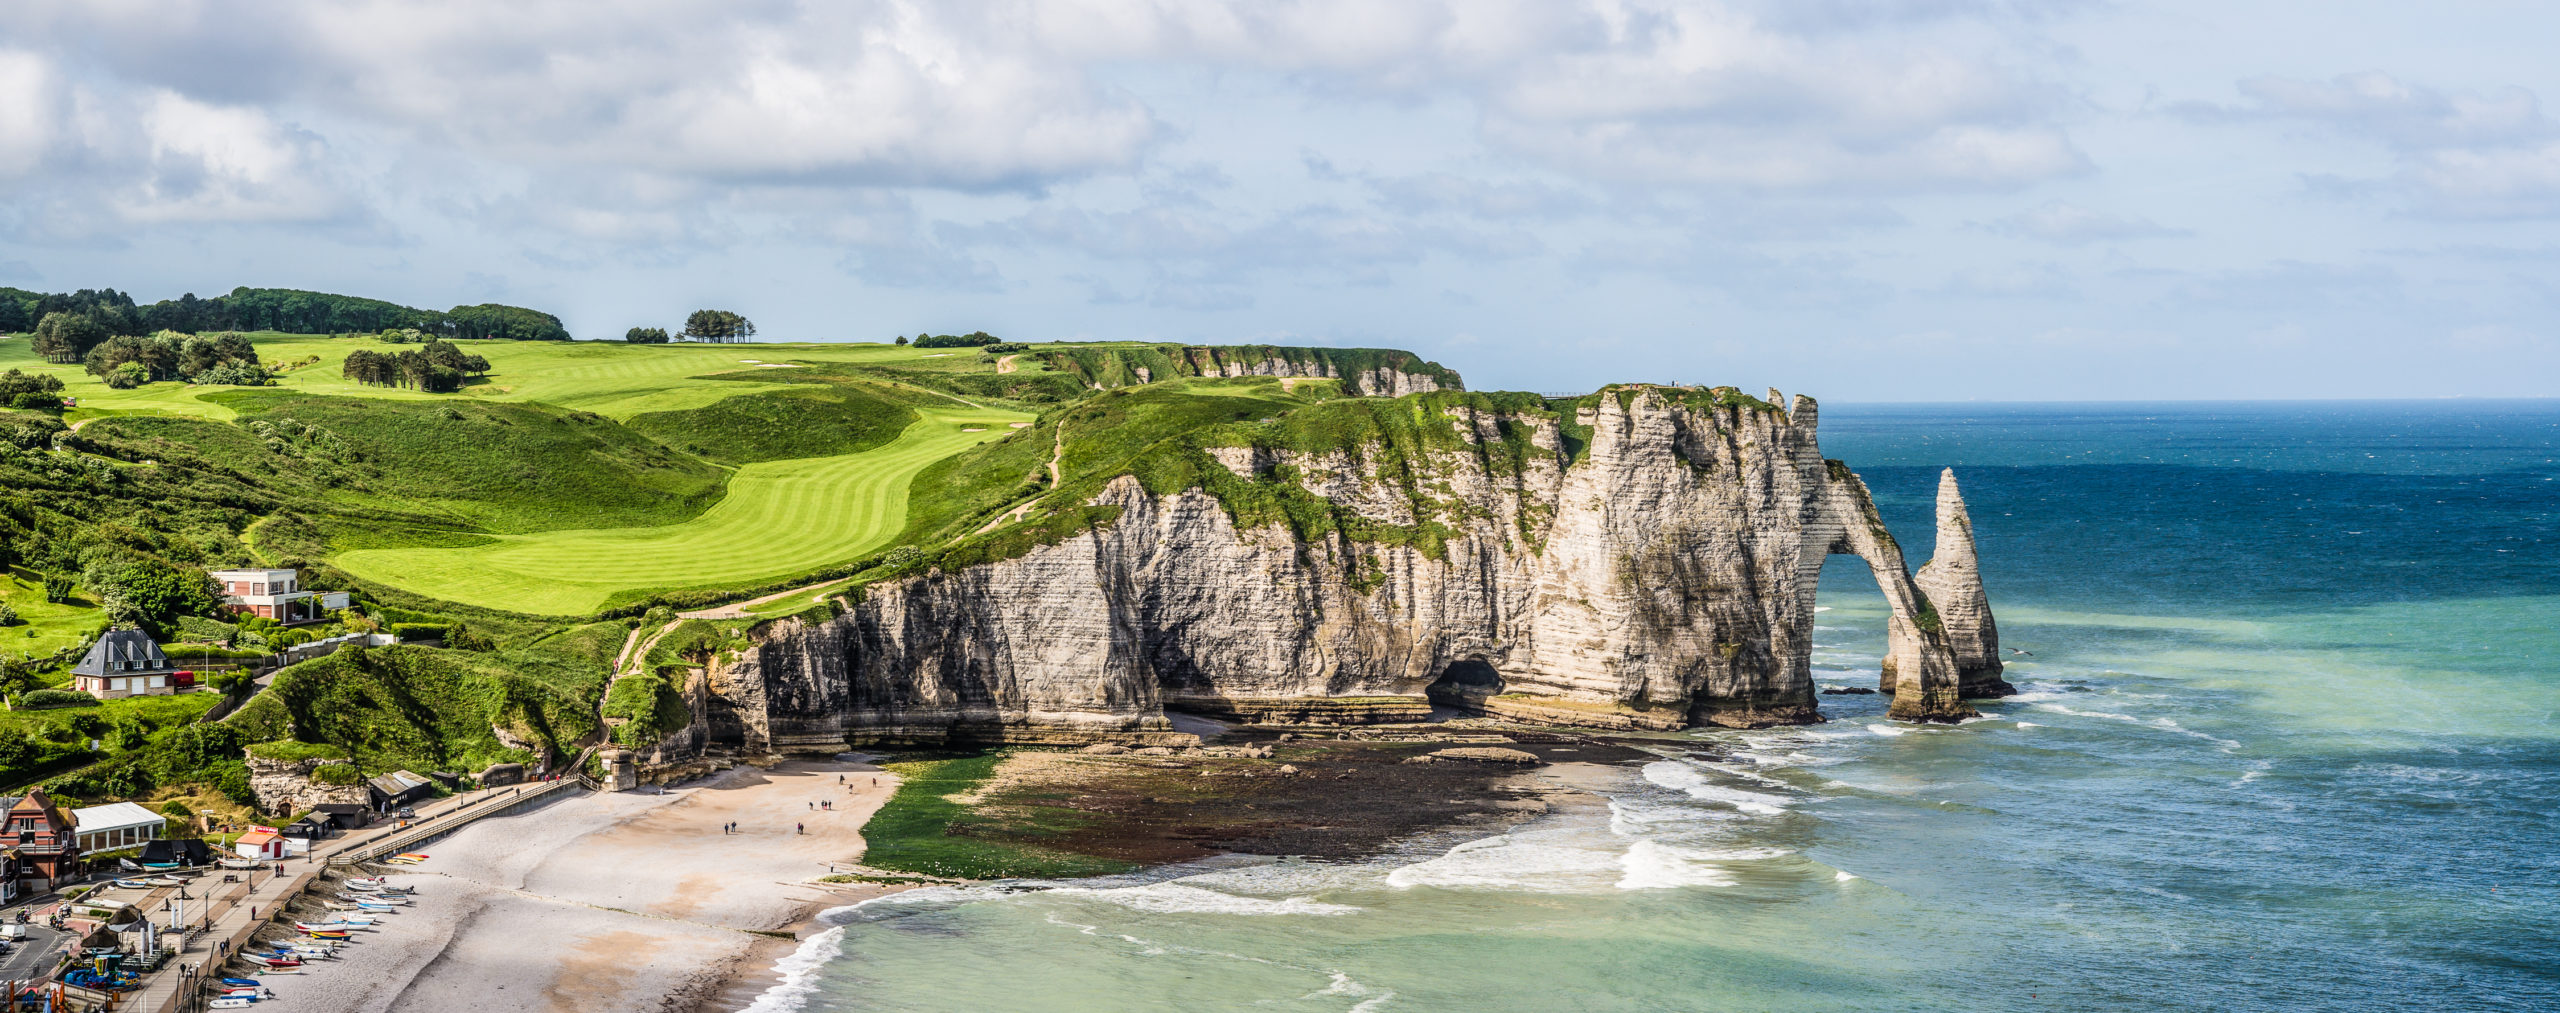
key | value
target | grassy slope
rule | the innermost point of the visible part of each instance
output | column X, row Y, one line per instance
column 429, row 709
column 954, row 498
column 779, row 518
column 828, row 420
column 612, row 379
column 495, row 467
column 45, row 628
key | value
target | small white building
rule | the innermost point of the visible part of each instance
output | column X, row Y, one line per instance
column 260, row 842
column 121, row 825
column 277, row 595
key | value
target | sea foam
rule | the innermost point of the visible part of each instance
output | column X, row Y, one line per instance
column 800, row 973
column 1684, row 777
column 1182, row 898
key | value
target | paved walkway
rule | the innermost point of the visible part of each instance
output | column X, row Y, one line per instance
column 234, row 911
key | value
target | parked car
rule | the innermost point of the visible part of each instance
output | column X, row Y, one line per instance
column 407, row 813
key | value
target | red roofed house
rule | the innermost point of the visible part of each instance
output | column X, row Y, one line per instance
column 47, row 850
column 260, row 842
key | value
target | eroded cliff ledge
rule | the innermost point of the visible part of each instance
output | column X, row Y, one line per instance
column 1642, row 558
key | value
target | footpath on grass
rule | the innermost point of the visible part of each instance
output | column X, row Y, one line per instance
column 778, row 518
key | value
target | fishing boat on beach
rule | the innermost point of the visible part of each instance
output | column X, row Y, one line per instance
column 238, row 863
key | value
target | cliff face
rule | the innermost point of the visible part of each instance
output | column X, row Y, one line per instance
column 1364, row 372
column 1648, row 561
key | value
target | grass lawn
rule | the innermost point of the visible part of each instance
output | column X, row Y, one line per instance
column 45, row 628
column 154, row 711
column 779, row 518
column 613, row 379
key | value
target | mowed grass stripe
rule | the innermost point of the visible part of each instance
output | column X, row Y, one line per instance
column 778, row 518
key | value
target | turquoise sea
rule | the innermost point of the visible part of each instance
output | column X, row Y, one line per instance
column 2290, row 739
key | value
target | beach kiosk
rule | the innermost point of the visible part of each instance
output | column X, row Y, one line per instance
column 260, row 842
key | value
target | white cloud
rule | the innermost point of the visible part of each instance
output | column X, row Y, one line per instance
column 2073, row 225
column 2462, row 154
column 90, row 161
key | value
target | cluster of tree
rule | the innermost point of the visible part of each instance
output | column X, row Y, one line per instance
column 21, row 310
column 1005, row 347
column 68, row 335
column 717, row 325
column 150, row 593
column 646, row 336
column 491, row 320
column 437, row 367
column 291, row 311
column 31, row 391
column 973, row 339
column 127, row 362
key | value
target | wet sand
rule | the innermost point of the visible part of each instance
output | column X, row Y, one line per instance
column 623, row 901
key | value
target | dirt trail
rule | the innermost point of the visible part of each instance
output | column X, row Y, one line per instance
column 1005, row 364
column 1057, row 449
column 632, row 656
column 738, row 610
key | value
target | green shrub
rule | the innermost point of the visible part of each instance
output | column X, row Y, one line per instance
column 336, row 773
column 8, row 615
column 289, row 751
column 173, row 807
column 418, row 631
column 47, row 698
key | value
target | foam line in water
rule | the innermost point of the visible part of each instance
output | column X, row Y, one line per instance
column 1181, row 898
column 1685, row 777
column 800, row 973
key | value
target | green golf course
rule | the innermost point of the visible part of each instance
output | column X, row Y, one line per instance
column 779, row 518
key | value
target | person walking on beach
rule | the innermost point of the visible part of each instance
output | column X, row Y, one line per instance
column 799, row 828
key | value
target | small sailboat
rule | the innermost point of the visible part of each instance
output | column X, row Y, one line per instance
column 240, row 981
column 165, row 881
column 232, row 1002
column 134, row 884
column 238, row 863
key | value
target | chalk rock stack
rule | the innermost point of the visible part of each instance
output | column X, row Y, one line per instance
column 1650, row 564
column 1953, row 581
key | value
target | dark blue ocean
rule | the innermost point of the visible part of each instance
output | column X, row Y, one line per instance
column 2290, row 739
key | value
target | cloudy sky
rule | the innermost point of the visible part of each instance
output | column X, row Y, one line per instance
column 1915, row 200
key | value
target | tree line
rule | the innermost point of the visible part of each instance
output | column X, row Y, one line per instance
column 973, row 339
column 437, row 367
column 700, row 325
column 291, row 311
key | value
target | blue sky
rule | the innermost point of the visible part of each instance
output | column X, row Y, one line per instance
column 1925, row 200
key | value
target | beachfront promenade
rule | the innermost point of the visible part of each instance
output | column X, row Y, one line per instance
column 236, row 910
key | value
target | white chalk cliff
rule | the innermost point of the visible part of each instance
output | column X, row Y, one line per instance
column 1647, row 560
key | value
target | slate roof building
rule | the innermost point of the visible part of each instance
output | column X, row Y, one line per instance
column 399, row 788
column 123, row 663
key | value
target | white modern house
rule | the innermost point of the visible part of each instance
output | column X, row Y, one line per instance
column 121, row 825
column 124, row 663
column 277, row 595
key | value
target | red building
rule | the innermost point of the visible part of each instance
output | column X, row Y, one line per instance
column 43, row 839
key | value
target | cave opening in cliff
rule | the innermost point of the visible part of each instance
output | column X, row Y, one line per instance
column 1464, row 686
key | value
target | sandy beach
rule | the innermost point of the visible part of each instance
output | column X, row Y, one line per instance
column 620, row 901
